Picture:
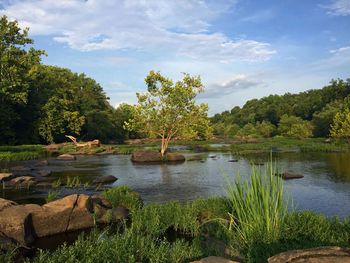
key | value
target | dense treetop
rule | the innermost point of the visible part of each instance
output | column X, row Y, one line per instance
column 312, row 110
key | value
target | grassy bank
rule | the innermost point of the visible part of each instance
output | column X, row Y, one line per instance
column 21, row 152
column 282, row 144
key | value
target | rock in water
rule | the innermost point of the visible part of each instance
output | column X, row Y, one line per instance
column 105, row 179
column 289, row 176
column 66, row 157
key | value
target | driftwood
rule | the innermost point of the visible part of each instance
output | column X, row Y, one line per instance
column 88, row 144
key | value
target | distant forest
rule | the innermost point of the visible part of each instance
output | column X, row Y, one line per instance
column 307, row 114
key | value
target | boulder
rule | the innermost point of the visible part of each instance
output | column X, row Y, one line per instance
column 175, row 157
column 53, row 217
column 213, row 259
column 105, row 179
column 16, row 223
column 233, row 160
column 66, row 157
column 288, row 176
column 25, row 223
column 4, row 203
column 313, row 255
column 155, row 157
column 6, row 177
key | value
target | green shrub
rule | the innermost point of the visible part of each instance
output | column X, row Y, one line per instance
column 123, row 196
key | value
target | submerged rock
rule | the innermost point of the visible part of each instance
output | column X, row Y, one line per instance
column 289, row 176
column 66, row 157
column 314, row 255
column 105, row 179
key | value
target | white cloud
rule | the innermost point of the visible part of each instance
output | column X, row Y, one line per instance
column 340, row 51
column 182, row 28
column 235, row 84
column 339, row 8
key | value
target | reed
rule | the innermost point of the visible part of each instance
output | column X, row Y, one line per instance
column 258, row 207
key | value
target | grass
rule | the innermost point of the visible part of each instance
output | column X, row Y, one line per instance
column 282, row 144
column 123, row 196
column 51, row 196
column 259, row 209
column 21, row 152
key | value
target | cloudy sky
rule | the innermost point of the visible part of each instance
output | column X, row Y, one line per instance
column 242, row 49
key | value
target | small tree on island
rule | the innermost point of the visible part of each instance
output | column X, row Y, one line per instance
column 168, row 110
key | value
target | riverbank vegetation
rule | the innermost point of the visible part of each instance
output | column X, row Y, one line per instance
column 313, row 113
column 223, row 226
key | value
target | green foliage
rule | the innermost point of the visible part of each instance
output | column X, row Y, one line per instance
column 16, row 63
column 319, row 106
column 341, row 125
column 258, row 208
column 124, row 247
column 295, row 127
column 282, row 144
column 248, row 130
column 265, row 129
column 168, row 110
column 123, row 196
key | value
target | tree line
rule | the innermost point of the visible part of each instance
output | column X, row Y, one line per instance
column 313, row 113
column 41, row 103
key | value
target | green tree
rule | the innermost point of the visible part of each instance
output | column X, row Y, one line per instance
column 16, row 62
column 341, row 125
column 292, row 126
column 168, row 109
column 123, row 114
column 265, row 128
column 248, row 130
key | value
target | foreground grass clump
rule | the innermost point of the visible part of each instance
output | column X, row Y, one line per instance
column 259, row 208
column 21, row 153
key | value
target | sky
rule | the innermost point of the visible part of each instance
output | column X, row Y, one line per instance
column 242, row 49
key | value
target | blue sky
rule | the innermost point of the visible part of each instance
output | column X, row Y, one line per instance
column 241, row 49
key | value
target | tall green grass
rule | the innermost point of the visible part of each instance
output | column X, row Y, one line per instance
column 258, row 207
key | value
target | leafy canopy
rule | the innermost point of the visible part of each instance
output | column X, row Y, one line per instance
column 168, row 109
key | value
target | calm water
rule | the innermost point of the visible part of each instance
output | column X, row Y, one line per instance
column 325, row 187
